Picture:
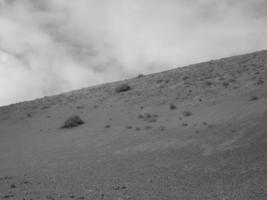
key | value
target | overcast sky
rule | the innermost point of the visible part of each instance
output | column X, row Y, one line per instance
column 50, row 46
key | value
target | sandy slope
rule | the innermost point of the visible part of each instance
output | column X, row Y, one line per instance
column 133, row 146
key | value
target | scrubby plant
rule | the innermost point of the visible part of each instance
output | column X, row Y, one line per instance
column 72, row 122
column 140, row 75
column 225, row 84
column 205, row 123
column 107, row 126
column 253, row 98
column 185, row 78
column 148, row 127
column 184, row 124
column 187, row 113
column 159, row 81
column 140, row 116
column 153, row 120
column 162, row 128
column 172, row 106
column 260, row 82
column 137, row 129
column 122, row 88
column 208, row 83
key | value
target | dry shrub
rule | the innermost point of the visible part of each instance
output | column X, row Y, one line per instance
column 187, row 113
column 172, row 107
column 72, row 122
column 122, row 88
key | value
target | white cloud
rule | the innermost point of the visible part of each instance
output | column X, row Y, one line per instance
column 50, row 46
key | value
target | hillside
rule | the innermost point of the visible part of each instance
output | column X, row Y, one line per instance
column 196, row 132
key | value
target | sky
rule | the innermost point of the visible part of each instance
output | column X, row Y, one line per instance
column 52, row 46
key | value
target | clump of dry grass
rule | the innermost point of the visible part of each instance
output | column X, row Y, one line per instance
column 253, row 98
column 260, row 82
column 129, row 127
column 138, row 129
column 72, row 122
column 187, row 113
column 122, row 88
column 172, row 106
column 140, row 75
column 208, row 83
column 184, row 124
column 107, row 126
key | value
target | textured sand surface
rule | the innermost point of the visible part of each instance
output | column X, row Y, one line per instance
column 197, row 132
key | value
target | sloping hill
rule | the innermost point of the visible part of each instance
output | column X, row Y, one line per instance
column 197, row 132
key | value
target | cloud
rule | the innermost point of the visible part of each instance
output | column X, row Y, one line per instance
column 50, row 46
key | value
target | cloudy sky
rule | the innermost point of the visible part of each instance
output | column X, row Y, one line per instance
column 50, row 46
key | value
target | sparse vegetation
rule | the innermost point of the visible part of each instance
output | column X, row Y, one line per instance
column 72, row 122
column 148, row 127
column 260, row 82
column 129, row 127
column 137, row 129
column 253, row 98
column 187, row 113
column 225, row 84
column 208, row 83
column 172, row 106
column 140, row 75
column 152, row 120
column 122, row 88
column 95, row 106
column 185, row 78
column 140, row 116
column 162, row 128
column 8, row 196
column 184, row 124
column 107, row 126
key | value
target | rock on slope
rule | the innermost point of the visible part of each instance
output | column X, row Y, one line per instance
column 197, row 132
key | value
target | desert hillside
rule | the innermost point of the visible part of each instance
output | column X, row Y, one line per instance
column 196, row 132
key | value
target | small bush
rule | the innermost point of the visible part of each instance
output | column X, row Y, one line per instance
column 162, row 128
column 72, row 122
column 122, row 88
column 208, row 83
column 140, row 75
column 260, row 82
column 185, row 78
column 138, row 129
column 129, row 127
column 184, row 124
column 172, row 107
column 140, row 116
column 159, row 81
column 107, row 126
column 153, row 120
column 253, row 98
column 187, row 113
column 225, row 84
